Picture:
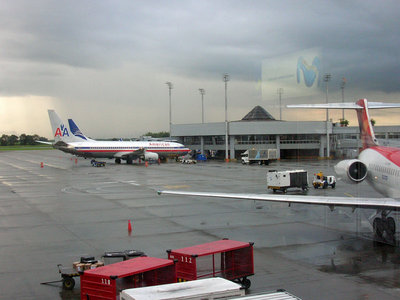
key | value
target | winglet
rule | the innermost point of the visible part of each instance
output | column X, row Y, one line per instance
column 76, row 131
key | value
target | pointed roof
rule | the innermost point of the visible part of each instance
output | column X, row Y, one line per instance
column 258, row 114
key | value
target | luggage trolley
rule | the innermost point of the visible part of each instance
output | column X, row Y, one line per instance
column 225, row 258
column 68, row 274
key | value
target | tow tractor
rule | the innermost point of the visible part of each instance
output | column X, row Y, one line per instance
column 96, row 163
column 321, row 181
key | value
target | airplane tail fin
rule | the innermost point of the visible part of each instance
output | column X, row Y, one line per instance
column 60, row 131
column 76, row 131
column 364, row 121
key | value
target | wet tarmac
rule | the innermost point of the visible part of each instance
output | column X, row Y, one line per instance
column 65, row 210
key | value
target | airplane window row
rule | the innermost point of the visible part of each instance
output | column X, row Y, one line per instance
column 124, row 148
column 386, row 170
column 113, row 148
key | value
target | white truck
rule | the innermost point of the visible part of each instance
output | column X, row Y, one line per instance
column 210, row 288
column 282, row 180
column 260, row 156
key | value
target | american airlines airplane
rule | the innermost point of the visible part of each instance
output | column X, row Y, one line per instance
column 378, row 165
column 73, row 141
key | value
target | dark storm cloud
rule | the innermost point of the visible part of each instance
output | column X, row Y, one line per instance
column 359, row 39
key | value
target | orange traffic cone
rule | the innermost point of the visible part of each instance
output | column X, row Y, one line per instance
column 146, row 164
column 129, row 227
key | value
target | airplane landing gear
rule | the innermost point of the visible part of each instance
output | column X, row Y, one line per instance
column 378, row 227
column 385, row 228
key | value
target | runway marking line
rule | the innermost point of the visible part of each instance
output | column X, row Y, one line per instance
column 132, row 182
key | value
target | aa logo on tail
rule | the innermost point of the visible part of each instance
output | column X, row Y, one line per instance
column 61, row 131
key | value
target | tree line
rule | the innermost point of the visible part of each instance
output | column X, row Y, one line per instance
column 23, row 139
column 160, row 134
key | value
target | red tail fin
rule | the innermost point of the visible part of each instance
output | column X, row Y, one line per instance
column 367, row 133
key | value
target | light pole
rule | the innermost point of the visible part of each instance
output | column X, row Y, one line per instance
column 327, row 78
column 170, row 87
column 226, row 79
column 342, row 87
column 280, row 92
column 202, row 92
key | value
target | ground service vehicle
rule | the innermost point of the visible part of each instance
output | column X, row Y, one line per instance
column 321, row 181
column 225, row 258
column 188, row 161
column 283, row 180
column 260, row 156
column 96, row 163
column 107, row 282
column 209, row 288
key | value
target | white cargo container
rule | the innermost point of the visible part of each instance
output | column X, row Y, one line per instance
column 278, row 295
column 210, row 288
column 260, row 156
column 282, row 180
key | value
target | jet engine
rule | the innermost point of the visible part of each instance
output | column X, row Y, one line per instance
column 150, row 156
column 351, row 170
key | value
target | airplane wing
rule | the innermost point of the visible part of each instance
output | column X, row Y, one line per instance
column 43, row 142
column 134, row 154
column 354, row 202
column 345, row 105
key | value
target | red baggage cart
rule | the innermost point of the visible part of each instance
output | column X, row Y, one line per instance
column 108, row 281
column 229, row 259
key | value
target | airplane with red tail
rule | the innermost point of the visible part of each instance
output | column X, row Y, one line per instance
column 377, row 165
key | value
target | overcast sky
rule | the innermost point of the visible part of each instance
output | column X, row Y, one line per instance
column 105, row 63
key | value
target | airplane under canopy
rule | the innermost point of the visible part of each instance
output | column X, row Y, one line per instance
column 378, row 165
column 73, row 141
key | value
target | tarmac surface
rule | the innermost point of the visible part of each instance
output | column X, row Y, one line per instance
column 68, row 209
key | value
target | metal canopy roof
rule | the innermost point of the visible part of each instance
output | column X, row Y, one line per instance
column 258, row 113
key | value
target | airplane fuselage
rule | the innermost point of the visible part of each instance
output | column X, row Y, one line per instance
column 383, row 165
column 112, row 149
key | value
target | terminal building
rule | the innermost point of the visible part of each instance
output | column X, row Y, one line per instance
column 293, row 139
